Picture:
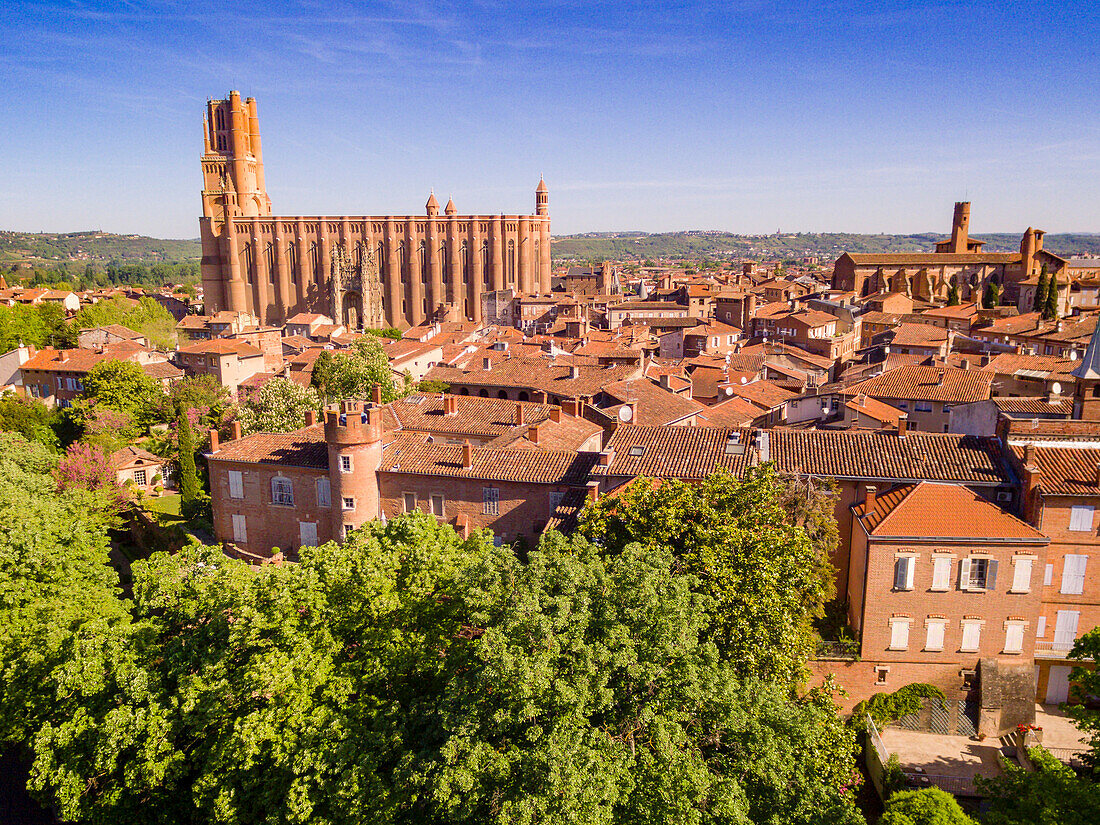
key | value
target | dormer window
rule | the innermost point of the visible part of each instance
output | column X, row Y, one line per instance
column 637, row 451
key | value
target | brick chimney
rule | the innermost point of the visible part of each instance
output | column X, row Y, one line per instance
column 869, row 495
column 1029, row 455
column 555, row 414
column 450, row 405
column 903, row 424
column 519, row 414
column 593, row 490
column 533, row 434
column 376, row 394
column 63, row 356
column 467, row 455
column 606, row 457
column 213, row 440
column 311, row 417
column 235, row 431
column 571, row 407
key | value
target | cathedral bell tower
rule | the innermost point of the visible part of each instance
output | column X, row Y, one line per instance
column 232, row 161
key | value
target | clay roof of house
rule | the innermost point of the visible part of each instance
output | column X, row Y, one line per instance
column 537, row 373
column 764, row 394
column 1037, row 366
column 132, row 456
column 1041, row 405
column 634, row 306
column 405, row 455
column 302, row 448
column 476, row 416
column 79, row 359
column 930, row 259
column 908, row 334
column 733, row 412
column 194, row 322
column 161, row 370
column 222, row 346
column 872, row 408
column 876, row 317
column 677, row 452
column 1069, row 468
column 118, row 330
column 886, row 455
column 654, row 405
column 564, row 517
column 958, row 311
column 938, row 511
column 568, row 433
column 308, row 318
column 947, row 384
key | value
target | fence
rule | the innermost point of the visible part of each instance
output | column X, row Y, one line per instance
column 957, row 785
column 1068, row 756
column 876, row 757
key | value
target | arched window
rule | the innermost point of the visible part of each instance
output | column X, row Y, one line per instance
column 315, row 260
column 269, row 262
column 444, row 263
column 502, row 394
column 219, row 118
column 358, row 257
column 246, row 262
column 522, row 396
column 422, row 258
column 463, row 391
column 484, row 259
column 511, row 263
column 292, row 261
column 381, row 257
column 483, row 393
column 464, row 257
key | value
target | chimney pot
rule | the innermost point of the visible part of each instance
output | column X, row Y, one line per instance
column 376, row 394
column 869, row 498
column 213, row 440
column 593, row 490
column 519, row 414
column 311, row 417
column 467, row 455
column 555, row 414
column 903, row 424
column 533, row 433
column 235, row 431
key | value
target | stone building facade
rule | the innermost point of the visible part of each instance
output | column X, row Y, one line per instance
column 402, row 270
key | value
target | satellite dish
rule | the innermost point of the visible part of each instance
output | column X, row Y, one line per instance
column 1056, row 388
column 729, row 390
column 625, row 414
column 744, row 380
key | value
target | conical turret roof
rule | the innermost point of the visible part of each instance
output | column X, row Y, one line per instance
column 1090, row 364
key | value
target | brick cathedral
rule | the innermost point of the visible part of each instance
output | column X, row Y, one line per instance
column 375, row 271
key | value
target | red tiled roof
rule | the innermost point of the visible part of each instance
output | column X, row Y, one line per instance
column 677, row 452
column 222, row 346
column 302, row 448
column 941, row 511
column 532, row 466
column 955, row 386
column 1068, row 468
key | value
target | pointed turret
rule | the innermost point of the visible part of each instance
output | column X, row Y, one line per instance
column 1086, row 402
column 542, row 198
column 432, row 205
column 450, row 208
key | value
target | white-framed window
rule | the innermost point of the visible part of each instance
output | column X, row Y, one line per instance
column 880, row 675
column 1048, row 575
column 1080, row 518
column 490, row 501
column 240, row 528
column 1041, row 627
column 236, row 484
column 282, row 491
column 1014, row 637
column 324, row 492
column 941, row 572
column 904, row 571
column 345, row 464
column 140, row 477
column 307, row 533
column 934, row 633
column 437, row 505
column 410, row 501
column 347, row 531
column 1073, row 574
column 899, row 633
column 1021, row 575
column 971, row 635
column 349, row 503
column 978, row 574
column 1065, row 629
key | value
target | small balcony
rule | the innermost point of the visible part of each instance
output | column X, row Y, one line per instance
column 1056, row 648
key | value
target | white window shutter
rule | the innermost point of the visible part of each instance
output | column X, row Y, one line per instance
column 1041, row 627
column 934, row 640
column 1021, row 576
column 236, row 484
column 1073, row 574
column 910, row 572
column 899, row 635
column 1014, row 638
column 964, row 574
column 1048, row 575
column 941, row 573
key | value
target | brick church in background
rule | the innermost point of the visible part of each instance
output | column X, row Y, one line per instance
column 375, row 271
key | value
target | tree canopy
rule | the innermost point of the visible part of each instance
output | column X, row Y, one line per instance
column 928, row 806
column 411, row 675
column 354, row 372
column 759, row 547
column 148, row 317
column 38, row 325
column 279, row 406
column 124, row 387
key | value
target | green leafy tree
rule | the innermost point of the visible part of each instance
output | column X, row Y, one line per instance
column 279, row 406
column 953, row 296
column 1050, row 306
column 1052, row 794
column 203, row 395
column 353, row 373
column 767, row 576
column 147, row 317
column 37, row 325
column 30, row 418
column 1040, row 291
column 1086, row 683
column 992, row 297
column 124, row 387
column 928, row 806
column 189, row 486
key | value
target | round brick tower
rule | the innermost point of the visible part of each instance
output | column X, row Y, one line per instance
column 353, row 431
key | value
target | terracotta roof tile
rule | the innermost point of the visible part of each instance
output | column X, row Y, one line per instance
column 1068, row 468
column 955, row 386
column 677, row 452
column 302, row 448
column 941, row 511
column 533, row 466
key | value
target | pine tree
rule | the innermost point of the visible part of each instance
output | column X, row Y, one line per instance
column 1050, row 306
column 1040, row 291
column 190, row 490
column 953, row 296
column 992, row 296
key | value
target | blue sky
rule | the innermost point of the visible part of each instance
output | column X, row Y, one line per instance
column 741, row 116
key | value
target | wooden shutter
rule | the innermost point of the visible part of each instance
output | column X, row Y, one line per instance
column 941, row 572
column 1021, row 576
column 964, row 574
column 934, row 641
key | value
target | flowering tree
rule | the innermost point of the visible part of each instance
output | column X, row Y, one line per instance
column 279, row 406
column 84, row 467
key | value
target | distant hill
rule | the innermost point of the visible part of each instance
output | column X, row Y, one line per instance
column 94, row 247
column 827, row 246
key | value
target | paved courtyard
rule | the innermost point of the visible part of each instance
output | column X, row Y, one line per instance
column 937, row 755
column 1059, row 734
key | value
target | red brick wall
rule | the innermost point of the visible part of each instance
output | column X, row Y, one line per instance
column 1054, row 520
